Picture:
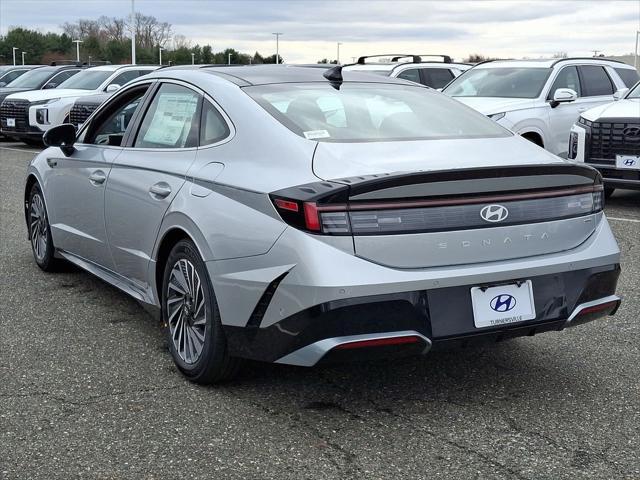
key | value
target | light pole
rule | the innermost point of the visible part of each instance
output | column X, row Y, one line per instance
column 13, row 50
column 133, row 32
column 228, row 59
column 77, row 42
column 635, row 62
column 338, row 55
column 277, row 34
column 23, row 57
column 160, row 49
column 193, row 58
column 89, row 60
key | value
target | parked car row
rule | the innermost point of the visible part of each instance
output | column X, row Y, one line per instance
column 43, row 96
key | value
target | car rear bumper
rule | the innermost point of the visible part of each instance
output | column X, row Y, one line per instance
column 618, row 178
column 420, row 320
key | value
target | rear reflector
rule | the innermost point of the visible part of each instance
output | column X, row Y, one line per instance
column 603, row 307
column 286, row 205
column 379, row 342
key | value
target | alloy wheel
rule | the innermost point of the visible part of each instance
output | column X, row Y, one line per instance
column 38, row 227
column 186, row 311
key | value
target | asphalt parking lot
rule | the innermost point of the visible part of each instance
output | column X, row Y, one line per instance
column 88, row 390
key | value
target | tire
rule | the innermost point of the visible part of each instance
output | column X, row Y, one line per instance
column 40, row 232
column 191, row 318
column 608, row 191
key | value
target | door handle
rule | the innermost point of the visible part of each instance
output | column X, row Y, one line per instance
column 160, row 190
column 98, row 177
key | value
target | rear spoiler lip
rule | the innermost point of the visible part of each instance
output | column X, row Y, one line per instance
column 343, row 190
column 365, row 183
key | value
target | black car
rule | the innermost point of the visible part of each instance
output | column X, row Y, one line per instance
column 38, row 78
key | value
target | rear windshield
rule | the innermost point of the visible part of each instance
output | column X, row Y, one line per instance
column 628, row 76
column 361, row 112
column 499, row 82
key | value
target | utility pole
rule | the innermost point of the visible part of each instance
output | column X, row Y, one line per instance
column 77, row 42
column 338, row 55
column 23, row 57
column 160, row 49
column 595, row 52
column 13, row 49
column 635, row 62
column 133, row 32
column 277, row 34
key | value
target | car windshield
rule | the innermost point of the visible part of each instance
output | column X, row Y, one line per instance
column 32, row 79
column 361, row 112
column 87, row 80
column 499, row 82
column 635, row 91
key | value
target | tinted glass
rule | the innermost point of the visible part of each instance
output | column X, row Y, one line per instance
column 171, row 120
column 595, row 81
column 110, row 128
column 213, row 128
column 437, row 77
column 60, row 78
column 371, row 112
column 412, row 75
column 635, row 92
column 34, row 78
column 87, row 80
column 127, row 76
column 629, row 77
column 499, row 82
column 567, row 78
column 11, row 76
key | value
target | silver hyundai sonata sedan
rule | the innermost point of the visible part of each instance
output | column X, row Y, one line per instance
column 297, row 215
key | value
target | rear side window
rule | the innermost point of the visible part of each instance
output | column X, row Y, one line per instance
column 595, row 81
column 567, row 78
column 629, row 77
column 11, row 76
column 213, row 128
column 172, row 120
column 61, row 77
column 125, row 77
column 412, row 75
column 436, row 77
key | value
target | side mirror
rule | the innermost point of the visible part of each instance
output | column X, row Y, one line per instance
column 112, row 88
column 620, row 93
column 563, row 95
column 50, row 85
column 63, row 136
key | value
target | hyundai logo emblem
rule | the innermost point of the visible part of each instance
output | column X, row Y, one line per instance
column 503, row 303
column 629, row 162
column 494, row 213
column 631, row 134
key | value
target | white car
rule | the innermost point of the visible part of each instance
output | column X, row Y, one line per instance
column 413, row 68
column 541, row 99
column 608, row 138
column 48, row 108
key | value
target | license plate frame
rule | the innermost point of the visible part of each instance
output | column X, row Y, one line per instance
column 492, row 305
column 628, row 162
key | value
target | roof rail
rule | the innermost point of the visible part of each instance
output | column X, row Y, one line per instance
column 586, row 58
column 445, row 58
column 394, row 57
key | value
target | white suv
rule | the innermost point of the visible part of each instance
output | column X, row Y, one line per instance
column 413, row 68
column 608, row 138
column 48, row 108
column 541, row 99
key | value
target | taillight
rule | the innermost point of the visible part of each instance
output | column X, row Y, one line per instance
column 324, row 219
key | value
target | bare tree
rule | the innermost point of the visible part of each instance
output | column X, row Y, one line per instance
column 150, row 32
column 180, row 41
column 113, row 28
column 560, row 55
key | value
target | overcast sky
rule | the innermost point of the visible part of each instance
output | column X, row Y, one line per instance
column 312, row 27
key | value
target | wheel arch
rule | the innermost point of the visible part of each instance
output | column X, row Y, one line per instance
column 30, row 182
column 533, row 136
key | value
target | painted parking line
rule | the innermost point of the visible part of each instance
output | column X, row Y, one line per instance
column 620, row 219
column 26, row 150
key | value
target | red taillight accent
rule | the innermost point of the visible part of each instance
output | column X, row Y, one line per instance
column 312, row 217
column 598, row 308
column 378, row 342
column 287, row 205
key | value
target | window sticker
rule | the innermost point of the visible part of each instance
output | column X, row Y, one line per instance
column 312, row 134
column 172, row 119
